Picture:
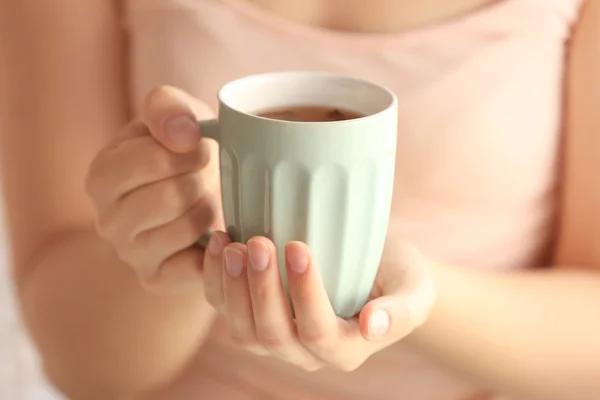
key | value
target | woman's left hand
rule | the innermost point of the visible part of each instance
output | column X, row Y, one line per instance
column 242, row 282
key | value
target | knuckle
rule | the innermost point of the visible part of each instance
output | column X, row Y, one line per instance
column 90, row 183
column 242, row 341
column 240, row 325
column 131, row 256
column 310, row 367
column 107, row 227
column 160, row 278
column 241, row 329
column 166, row 193
column 257, row 351
column 178, row 193
column 158, row 91
column 154, row 96
column 348, row 366
column 128, row 254
column 158, row 161
column 153, row 285
column 93, row 178
column 91, row 188
column 318, row 342
column 273, row 342
column 146, row 272
column 148, row 285
column 156, row 201
column 214, row 298
column 126, row 131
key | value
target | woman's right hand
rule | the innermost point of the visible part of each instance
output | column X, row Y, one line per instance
column 156, row 191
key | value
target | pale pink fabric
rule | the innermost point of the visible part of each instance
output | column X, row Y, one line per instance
column 480, row 117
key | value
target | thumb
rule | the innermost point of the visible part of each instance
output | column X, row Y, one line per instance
column 171, row 116
column 407, row 295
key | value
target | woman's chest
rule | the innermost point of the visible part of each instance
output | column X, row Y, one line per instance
column 376, row 16
column 479, row 108
column 476, row 112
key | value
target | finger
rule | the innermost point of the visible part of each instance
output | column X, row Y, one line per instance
column 134, row 129
column 408, row 295
column 149, row 207
column 315, row 319
column 275, row 328
column 169, row 114
column 213, row 270
column 99, row 181
column 180, row 273
column 119, row 170
column 237, row 295
column 151, row 248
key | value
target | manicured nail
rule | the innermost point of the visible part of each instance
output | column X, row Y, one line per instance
column 258, row 254
column 214, row 246
column 234, row 261
column 297, row 257
column 379, row 324
column 183, row 130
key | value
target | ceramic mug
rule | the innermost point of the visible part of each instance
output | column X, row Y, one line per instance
column 328, row 184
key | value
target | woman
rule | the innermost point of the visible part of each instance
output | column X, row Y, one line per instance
column 495, row 179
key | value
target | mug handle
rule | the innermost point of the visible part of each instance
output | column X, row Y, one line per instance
column 209, row 129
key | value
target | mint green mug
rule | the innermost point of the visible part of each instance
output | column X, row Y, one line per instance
column 328, row 184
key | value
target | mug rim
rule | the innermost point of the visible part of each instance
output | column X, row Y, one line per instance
column 392, row 101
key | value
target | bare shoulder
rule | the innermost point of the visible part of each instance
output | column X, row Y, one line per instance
column 62, row 94
column 579, row 213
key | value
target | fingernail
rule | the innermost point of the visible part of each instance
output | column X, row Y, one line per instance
column 258, row 254
column 183, row 130
column 214, row 246
column 297, row 258
column 379, row 324
column 234, row 261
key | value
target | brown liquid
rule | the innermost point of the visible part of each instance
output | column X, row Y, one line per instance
column 309, row 114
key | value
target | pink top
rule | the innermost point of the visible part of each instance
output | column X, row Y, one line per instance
column 480, row 117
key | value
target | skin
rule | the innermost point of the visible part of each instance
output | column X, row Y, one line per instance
column 95, row 272
column 382, row 16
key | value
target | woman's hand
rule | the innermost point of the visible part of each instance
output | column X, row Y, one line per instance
column 155, row 188
column 243, row 283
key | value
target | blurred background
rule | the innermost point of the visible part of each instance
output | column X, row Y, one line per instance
column 20, row 376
